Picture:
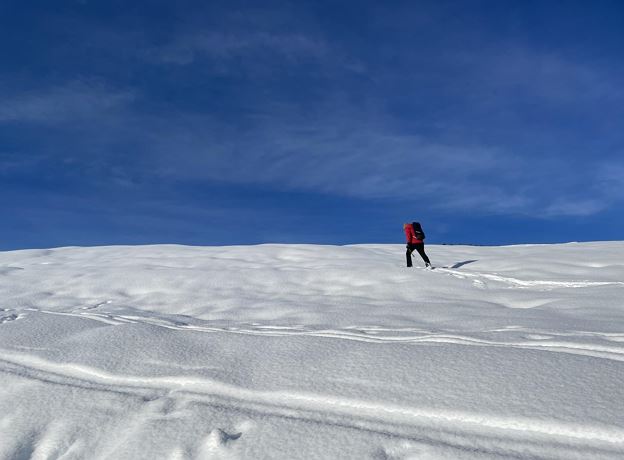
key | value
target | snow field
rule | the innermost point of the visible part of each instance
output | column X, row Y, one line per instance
column 306, row 351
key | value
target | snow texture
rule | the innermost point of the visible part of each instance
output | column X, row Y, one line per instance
column 311, row 352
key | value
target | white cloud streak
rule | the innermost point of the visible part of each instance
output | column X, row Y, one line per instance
column 222, row 46
column 74, row 101
column 364, row 158
column 346, row 152
column 342, row 148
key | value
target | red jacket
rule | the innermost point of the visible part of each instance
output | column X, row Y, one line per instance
column 410, row 236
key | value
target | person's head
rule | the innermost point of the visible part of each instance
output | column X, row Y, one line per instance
column 417, row 226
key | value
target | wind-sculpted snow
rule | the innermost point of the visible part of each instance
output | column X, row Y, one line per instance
column 304, row 351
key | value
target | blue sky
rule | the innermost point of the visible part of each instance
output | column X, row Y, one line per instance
column 206, row 123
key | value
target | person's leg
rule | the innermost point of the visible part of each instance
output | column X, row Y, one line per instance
column 408, row 255
column 420, row 247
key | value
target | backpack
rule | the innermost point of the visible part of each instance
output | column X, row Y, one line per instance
column 418, row 231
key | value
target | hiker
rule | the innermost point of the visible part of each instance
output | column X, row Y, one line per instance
column 415, row 236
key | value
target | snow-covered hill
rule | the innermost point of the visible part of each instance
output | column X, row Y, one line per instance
column 305, row 351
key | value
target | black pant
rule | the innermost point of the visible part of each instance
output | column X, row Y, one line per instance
column 420, row 247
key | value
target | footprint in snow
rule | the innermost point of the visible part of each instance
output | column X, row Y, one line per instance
column 6, row 319
column 225, row 437
column 217, row 441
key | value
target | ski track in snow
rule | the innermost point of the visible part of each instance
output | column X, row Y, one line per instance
column 539, row 340
column 515, row 282
column 574, row 311
column 359, row 414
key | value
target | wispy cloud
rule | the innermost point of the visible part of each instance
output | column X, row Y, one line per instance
column 263, row 42
column 344, row 151
column 444, row 125
column 227, row 46
column 362, row 157
column 15, row 163
column 551, row 77
column 609, row 179
column 582, row 207
column 74, row 101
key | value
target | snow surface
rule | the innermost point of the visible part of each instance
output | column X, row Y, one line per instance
column 306, row 351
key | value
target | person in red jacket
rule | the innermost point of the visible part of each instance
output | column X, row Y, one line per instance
column 415, row 241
